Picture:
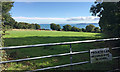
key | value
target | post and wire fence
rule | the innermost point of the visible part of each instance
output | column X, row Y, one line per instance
column 58, row 55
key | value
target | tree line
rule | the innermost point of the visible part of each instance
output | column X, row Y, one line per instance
column 89, row 28
column 10, row 23
column 21, row 25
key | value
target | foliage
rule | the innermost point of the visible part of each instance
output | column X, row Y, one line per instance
column 96, row 29
column 6, row 17
column 6, row 7
column 10, row 23
column 23, row 25
column 76, row 29
column 53, row 26
column 83, row 30
column 109, row 13
column 67, row 27
column 58, row 27
column 89, row 28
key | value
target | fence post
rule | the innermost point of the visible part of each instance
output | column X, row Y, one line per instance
column 71, row 57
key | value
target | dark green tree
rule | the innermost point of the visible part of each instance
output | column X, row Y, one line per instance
column 90, row 28
column 6, row 17
column 96, row 29
column 83, row 30
column 109, row 13
column 67, row 27
column 53, row 26
column 37, row 26
column 76, row 29
column 58, row 27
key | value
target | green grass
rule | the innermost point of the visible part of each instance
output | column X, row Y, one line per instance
column 37, row 37
column 16, row 38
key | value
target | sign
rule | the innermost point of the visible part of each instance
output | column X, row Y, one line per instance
column 98, row 55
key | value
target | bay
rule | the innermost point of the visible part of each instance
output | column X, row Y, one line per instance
column 80, row 25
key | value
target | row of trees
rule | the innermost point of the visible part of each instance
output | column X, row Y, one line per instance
column 89, row 28
column 21, row 25
column 10, row 23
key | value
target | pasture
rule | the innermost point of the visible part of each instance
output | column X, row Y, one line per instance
column 16, row 38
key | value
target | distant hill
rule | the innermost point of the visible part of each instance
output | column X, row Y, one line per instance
column 86, row 23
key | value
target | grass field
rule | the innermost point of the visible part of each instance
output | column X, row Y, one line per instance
column 38, row 37
column 15, row 38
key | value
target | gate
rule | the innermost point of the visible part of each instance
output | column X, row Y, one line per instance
column 58, row 55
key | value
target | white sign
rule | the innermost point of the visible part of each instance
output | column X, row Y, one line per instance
column 98, row 55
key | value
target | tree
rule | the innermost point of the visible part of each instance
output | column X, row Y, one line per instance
column 6, row 17
column 83, row 30
column 53, row 26
column 96, row 29
column 109, row 14
column 89, row 28
column 76, row 29
column 37, row 26
column 67, row 27
column 58, row 27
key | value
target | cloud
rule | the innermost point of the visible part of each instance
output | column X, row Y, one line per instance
column 39, row 18
column 47, row 20
column 88, row 18
column 67, row 19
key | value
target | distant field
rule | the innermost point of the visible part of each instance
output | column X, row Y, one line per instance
column 15, row 38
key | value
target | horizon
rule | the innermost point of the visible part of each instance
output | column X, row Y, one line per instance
column 53, row 12
column 84, row 23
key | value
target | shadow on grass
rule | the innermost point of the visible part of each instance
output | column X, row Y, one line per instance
column 40, row 40
column 41, row 51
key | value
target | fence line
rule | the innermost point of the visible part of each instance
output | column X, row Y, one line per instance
column 66, row 65
column 53, row 44
column 61, row 66
column 34, row 58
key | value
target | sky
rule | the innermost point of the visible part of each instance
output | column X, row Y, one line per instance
column 53, row 12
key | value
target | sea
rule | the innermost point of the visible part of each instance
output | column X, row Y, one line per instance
column 80, row 25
